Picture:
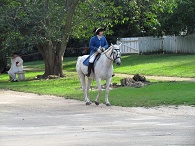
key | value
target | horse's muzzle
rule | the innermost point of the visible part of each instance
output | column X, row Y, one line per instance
column 118, row 63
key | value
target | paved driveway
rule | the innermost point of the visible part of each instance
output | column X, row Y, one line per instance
column 32, row 120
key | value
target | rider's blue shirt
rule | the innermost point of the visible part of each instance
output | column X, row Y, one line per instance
column 95, row 43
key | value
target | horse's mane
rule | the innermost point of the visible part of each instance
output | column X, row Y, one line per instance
column 107, row 50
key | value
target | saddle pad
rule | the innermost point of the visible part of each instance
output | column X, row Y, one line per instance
column 86, row 61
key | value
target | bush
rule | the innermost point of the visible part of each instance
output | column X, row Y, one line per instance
column 72, row 52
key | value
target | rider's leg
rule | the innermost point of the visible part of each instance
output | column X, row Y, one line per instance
column 90, row 66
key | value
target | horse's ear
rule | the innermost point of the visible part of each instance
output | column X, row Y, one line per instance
column 111, row 44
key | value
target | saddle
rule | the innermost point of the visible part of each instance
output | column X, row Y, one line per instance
column 86, row 61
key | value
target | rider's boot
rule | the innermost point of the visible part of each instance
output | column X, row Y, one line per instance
column 90, row 66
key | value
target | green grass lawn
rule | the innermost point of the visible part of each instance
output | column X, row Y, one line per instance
column 155, row 94
column 158, row 64
column 69, row 64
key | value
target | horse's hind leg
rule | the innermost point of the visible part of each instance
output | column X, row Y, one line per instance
column 88, row 102
column 108, row 81
column 85, row 90
column 97, row 100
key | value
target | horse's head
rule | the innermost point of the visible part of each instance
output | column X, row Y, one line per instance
column 116, row 54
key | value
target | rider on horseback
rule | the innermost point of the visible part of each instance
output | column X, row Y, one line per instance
column 97, row 44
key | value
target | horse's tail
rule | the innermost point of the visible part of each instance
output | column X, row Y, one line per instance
column 78, row 63
column 79, row 58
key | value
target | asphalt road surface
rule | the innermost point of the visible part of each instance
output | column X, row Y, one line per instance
column 32, row 120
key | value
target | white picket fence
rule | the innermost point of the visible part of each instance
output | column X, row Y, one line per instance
column 129, row 45
column 166, row 44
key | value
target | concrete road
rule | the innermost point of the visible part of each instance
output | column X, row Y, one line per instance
column 32, row 120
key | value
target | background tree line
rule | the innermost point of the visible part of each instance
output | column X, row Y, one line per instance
column 48, row 25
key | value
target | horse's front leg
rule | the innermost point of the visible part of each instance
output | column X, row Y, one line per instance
column 97, row 100
column 108, row 81
column 88, row 102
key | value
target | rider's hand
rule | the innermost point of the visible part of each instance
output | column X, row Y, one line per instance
column 99, row 50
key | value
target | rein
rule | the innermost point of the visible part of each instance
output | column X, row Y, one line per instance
column 111, row 55
column 105, row 52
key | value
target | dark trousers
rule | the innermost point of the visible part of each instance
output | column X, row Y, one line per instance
column 90, row 66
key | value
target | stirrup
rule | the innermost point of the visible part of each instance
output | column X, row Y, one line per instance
column 88, row 75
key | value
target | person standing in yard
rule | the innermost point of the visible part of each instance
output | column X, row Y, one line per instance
column 97, row 44
column 16, row 66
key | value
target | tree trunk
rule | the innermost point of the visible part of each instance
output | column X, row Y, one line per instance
column 3, row 62
column 53, row 59
column 53, row 52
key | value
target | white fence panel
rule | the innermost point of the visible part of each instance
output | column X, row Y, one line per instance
column 129, row 45
column 150, row 44
column 167, row 44
column 185, row 44
column 179, row 44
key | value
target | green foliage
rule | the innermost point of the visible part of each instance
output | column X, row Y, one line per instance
column 92, row 14
column 140, row 17
column 28, row 22
column 181, row 18
column 10, row 36
column 40, row 21
column 154, row 17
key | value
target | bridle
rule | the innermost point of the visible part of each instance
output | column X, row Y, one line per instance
column 111, row 56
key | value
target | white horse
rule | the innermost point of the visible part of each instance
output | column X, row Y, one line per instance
column 103, row 70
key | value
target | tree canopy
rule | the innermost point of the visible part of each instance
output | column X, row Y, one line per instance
column 48, row 24
column 181, row 18
column 34, row 21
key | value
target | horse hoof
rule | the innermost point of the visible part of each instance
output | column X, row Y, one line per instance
column 88, row 103
column 97, row 103
column 108, row 104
